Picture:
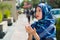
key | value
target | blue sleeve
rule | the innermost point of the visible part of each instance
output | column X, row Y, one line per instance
column 34, row 25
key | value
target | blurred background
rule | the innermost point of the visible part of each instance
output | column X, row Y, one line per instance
column 13, row 11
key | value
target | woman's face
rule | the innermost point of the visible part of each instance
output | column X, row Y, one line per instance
column 38, row 13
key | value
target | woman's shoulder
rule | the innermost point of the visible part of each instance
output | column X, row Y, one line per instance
column 34, row 21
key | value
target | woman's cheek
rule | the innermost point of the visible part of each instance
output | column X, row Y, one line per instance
column 40, row 16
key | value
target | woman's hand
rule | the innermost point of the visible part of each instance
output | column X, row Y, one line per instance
column 30, row 30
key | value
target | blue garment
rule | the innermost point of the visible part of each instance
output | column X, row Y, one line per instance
column 45, row 27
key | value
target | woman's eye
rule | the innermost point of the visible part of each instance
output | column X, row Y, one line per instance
column 39, row 10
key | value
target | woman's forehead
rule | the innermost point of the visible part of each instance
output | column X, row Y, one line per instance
column 39, row 8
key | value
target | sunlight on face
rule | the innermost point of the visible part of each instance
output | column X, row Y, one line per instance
column 38, row 13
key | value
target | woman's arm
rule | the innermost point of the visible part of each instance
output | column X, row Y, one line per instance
column 36, row 36
column 29, row 36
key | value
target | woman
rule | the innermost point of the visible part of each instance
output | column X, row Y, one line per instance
column 44, row 28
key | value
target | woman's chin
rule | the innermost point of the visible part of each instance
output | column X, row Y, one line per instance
column 38, row 18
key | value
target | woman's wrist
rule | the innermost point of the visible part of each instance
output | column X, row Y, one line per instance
column 36, row 36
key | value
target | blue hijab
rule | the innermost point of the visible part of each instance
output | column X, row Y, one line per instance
column 45, row 27
column 46, row 14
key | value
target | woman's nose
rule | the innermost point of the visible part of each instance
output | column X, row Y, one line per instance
column 37, row 13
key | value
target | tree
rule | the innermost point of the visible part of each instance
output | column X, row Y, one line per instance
column 35, row 2
column 54, row 3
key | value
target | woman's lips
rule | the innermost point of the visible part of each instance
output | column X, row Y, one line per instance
column 37, row 16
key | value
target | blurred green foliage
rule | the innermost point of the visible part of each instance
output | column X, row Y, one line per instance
column 33, row 2
column 58, row 29
column 7, row 13
column 54, row 3
column 5, row 5
column 1, row 16
column 5, row 9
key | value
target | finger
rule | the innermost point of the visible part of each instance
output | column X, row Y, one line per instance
column 34, row 29
column 30, row 28
column 26, row 29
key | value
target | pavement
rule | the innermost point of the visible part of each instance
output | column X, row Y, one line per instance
column 17, row 30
